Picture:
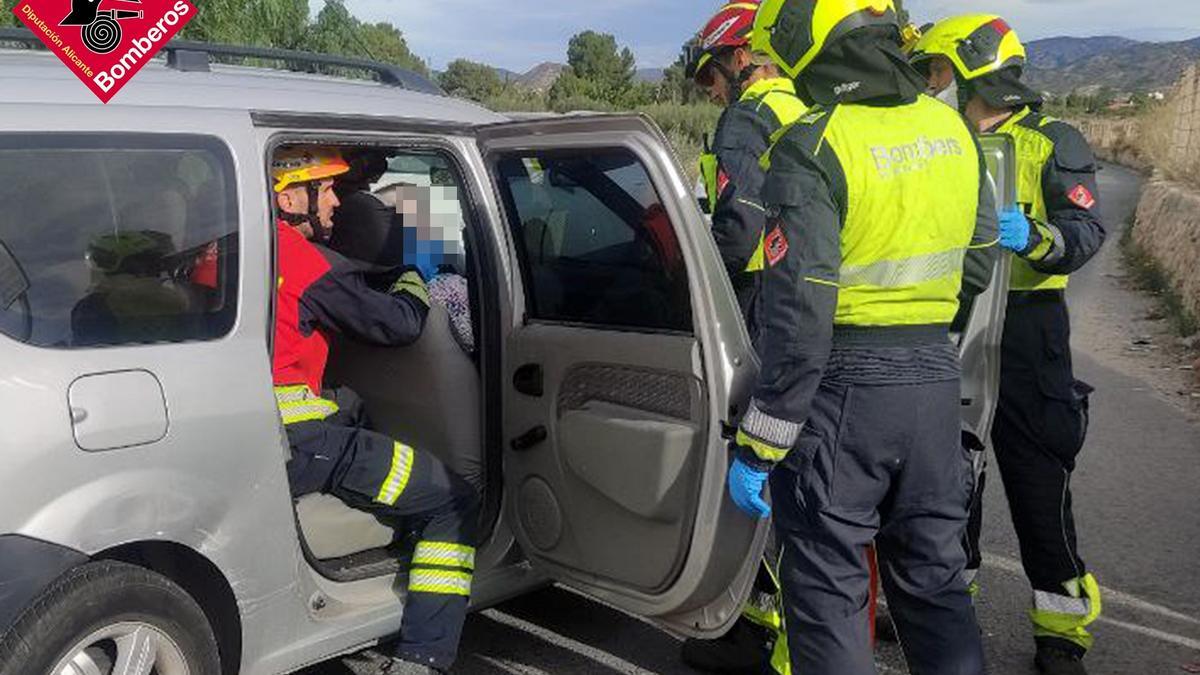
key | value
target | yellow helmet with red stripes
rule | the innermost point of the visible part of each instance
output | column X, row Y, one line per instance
column 977, row 45
column 293, row 166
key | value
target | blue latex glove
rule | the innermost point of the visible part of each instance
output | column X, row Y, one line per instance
column 746, row 488
column 1014, row 229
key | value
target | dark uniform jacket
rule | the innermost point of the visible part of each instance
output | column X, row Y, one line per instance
column 1058, row 191
column 744, row 133
column 322, row 293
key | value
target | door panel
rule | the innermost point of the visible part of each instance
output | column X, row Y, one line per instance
column 618, row 473
column 625, row 357
column 600, row 439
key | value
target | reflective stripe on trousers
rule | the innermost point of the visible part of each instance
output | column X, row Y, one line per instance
column 1067, row 616
column 442, row 568
column 398, row 475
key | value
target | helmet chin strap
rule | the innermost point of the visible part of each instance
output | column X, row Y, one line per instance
column 963, row 91
column 312, row 218
column 735, row 82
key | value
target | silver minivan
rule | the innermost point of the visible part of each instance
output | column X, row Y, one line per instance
column 146, row 524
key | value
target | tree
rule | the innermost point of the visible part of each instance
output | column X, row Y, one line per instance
column 595, row 59
column 676, row 88
column 269, row 23
column 468, row 79
column 569, row 86
column 7, row 18
column 336, row 31
column 384, row 42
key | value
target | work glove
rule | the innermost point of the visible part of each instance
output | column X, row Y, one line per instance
column 1014, row 230
column 746, row 489
column 411, row 282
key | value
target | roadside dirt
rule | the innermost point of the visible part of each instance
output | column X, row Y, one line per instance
column 1127, row 330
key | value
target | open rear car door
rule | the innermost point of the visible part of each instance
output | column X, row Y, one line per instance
column 626, row 359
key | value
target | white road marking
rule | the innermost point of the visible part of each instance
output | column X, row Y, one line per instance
column 510, row 666
column 598, row 655
column 1153, row 632
column 1109, row 597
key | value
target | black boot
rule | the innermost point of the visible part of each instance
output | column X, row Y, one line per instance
column 1059, row 657
column 744, row 650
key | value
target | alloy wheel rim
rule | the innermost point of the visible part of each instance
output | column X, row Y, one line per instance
column 125, row 648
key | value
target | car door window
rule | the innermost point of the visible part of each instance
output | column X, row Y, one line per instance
column 120, row 239
column 596, row 243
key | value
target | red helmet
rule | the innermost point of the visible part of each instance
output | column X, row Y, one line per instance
column 729, row 28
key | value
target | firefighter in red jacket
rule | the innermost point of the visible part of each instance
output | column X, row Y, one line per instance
column 321, row 294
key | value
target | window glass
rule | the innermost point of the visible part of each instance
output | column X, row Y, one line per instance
column 597, row 245
column 117, row 240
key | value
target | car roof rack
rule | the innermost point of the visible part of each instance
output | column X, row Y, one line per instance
column 194, row 56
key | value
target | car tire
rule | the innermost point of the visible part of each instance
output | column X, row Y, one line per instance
column 103, row 616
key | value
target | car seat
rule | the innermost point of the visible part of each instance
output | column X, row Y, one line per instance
column 427, row 395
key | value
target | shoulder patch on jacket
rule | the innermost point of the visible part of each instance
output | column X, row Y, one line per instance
column 775, row 246
column 1082, row 197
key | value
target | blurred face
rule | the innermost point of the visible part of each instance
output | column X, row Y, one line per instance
column 294, row 200
column 713, row 78
column 941, row 75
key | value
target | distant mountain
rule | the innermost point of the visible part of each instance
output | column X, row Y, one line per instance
column 507, row 75
column 1057, row 52
column 1064, row 65
column 651, row 75
column 542, row 76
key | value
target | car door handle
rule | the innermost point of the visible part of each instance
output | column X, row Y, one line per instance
column 530, row 438
column 529, row 380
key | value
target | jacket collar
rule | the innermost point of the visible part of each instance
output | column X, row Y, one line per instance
column 768, row 85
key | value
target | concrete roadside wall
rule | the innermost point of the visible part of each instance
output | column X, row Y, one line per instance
column 1168, row 229
column 1185, row 146
column 1116, row 140
column 1166, row 141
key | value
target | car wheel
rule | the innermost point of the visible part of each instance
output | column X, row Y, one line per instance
column 111, row 618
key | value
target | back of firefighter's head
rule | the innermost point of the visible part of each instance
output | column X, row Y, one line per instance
column 795, row 33
column 980, row 54
column 720, row 59
column 304, row 188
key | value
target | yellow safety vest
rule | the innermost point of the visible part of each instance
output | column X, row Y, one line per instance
column 912, row 197
column 778, row 94
column 1034, row 151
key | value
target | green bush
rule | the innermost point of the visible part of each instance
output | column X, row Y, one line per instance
column 686, row 127
column 691, row 121
column 515, row 99
column 581, row 103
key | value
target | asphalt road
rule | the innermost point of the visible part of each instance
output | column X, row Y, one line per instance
column 1136, row 498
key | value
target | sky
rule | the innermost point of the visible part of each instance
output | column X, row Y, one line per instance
column 519, row 34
